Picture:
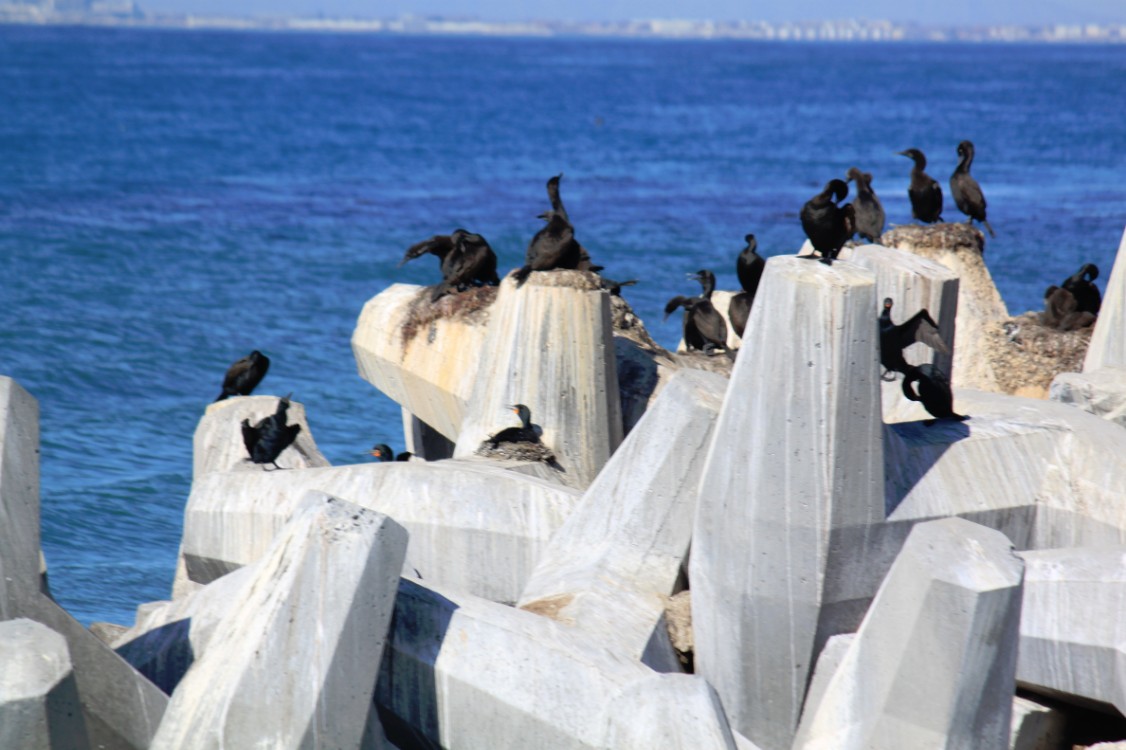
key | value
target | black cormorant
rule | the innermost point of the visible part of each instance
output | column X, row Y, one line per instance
column 383, row 452
column 869, row 211
column 1082, row 286
column 825, row 223
column 266, row 440
column 965, row 190
column 465, row 259
column 924, row 192
column 895, row 338
column 553, row 247
column 1061, row 311
column 933, row 391
column 704, row 328
column 748, row 267
column 244, row 375
column 525, row 433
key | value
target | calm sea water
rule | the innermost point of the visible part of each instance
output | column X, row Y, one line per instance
column 170, row 201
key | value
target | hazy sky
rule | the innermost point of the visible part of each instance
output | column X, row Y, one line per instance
column 923, row 11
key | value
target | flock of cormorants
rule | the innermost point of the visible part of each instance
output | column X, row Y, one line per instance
column 466, row 260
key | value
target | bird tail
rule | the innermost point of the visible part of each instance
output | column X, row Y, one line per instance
column 220, row 397
column 521, row 274
column 440, row 290
column 991, row 232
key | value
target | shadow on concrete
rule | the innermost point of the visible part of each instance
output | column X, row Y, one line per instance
column 162, row 654
column 910, row 450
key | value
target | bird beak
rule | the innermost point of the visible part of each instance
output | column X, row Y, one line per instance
column 403, row 261
column 377, row 454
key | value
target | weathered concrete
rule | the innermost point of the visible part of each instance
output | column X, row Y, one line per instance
column 463, row 672
column 19, row 495
column 914, row 283
column 667, row 711
column 1036, row 726
column 785, row 479
column 39, row 707
column 1108, row 344
column 1072, row 632
column 550, row 346
column 473, row 526
column 292, row 665
column 960, row 248
column 218, row 446
column 1101, row 392
column 933, row 663
column 424, row 356
column 168, row 637
column 618, row 556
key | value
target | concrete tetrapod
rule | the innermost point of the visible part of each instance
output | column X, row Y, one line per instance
column 796, row 461
column 1072, row 643
column 462, row 672
column 473, row 526
column 611, row 564
column 218, row 446
column 1108, row 345
column 39, row 707
column 19, row 495
column 933, row 663
column 1101, row 392
column 292, row 666
column 550, row 346
column 960, row 248
column 914, row 283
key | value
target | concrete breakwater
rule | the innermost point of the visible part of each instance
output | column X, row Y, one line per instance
column 858, row 579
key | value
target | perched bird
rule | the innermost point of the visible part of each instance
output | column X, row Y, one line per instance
column 825, row 223
column 553, row 247
column 615, row 287
column 895, row 338
column 465, row 259
column 383, row 452
column 244, row 375
column 869, row 211
column 266, row 440
column 748, row 267
column 965, row 190
column 933, row 391
column 924, row 192
column 1082, row 286
column 704, row 328
column 525, row 433
column 1061, row 311
column 559, row 209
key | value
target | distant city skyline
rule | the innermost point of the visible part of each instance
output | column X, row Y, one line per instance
column 944, row 12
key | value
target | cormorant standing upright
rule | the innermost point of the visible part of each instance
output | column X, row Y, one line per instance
column 748, row 267
column 1082, row 286
column 965, row 190
column 244, row 375
column 553, row 247
column 934, row 392
column 870, row 216
column 895, row 338
column 704, row 328
column 924, row 192
column 825, row 223
column 266, row 440
column 557, row 207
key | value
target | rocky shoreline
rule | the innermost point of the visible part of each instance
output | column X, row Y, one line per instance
column 768, row 554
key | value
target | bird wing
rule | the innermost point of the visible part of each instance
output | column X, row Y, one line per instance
column 249, row 437
column 439, row 244
column 921, row 328
column 236, row 371
column 710, row 324
column 676, row 302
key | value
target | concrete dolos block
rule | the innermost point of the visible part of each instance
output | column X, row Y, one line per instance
column 667, row 711
column 39, row 707
column 19, row 495
column 1072, row 639
column 610, row 566
column 1101, row 392
column 1108, row 344
column 785, row 479
column 292, row 665
column 473, row 526
column 933, row 663
column 550, row 346
column 218, row 444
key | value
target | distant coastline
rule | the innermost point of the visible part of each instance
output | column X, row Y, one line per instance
column 126, row 14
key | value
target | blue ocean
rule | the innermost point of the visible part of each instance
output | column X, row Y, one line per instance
column 170, row 201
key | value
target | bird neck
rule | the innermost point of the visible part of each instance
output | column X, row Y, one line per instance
column 965, row 162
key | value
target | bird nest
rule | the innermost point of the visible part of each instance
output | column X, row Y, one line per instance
column 1027, row 356
column 586, row 281
column 946, row 236
column 471, row 306
column 524, row 451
